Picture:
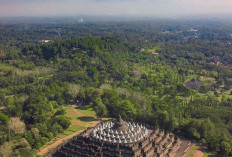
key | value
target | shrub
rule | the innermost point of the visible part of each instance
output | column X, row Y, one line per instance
column 63, row 121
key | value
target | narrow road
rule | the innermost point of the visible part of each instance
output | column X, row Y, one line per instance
column 57, row 143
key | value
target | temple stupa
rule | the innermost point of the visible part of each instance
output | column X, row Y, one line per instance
column 119, row 132
column 123, row 139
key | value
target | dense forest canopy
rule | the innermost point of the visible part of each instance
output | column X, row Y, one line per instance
column 137, row 69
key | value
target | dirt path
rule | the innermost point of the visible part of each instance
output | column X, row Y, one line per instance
column 58, row 142
column 198, row 152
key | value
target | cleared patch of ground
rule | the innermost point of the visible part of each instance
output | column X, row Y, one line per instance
column 152, row 50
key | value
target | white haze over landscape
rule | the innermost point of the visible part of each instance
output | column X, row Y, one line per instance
column 151, row 8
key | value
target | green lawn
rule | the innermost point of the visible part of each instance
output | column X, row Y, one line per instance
column 156, row 48
column 70, row 131
column 81, row 118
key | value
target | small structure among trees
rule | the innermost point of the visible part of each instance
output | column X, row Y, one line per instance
column 194, row 84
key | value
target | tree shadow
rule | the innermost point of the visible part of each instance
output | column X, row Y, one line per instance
column 87, row 118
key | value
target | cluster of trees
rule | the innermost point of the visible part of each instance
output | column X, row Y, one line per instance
column 42, row 118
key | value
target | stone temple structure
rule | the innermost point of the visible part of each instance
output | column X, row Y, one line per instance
column 123, row 139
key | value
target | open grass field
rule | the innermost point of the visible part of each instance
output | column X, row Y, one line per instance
column 152, row 50
column 81, row 118
column 204, row 79
column 38, row 71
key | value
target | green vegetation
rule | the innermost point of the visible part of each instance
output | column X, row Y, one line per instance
column 105, row 76
column 153, row 50
column 81, row 118
column 19, row 148
column 192, row 151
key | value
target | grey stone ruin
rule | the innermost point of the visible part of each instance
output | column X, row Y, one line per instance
column 123, row 139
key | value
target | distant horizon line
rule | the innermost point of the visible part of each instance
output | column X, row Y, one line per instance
column 225, row 15
column 116, row 18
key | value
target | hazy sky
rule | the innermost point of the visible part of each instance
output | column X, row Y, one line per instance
column 163, row 8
